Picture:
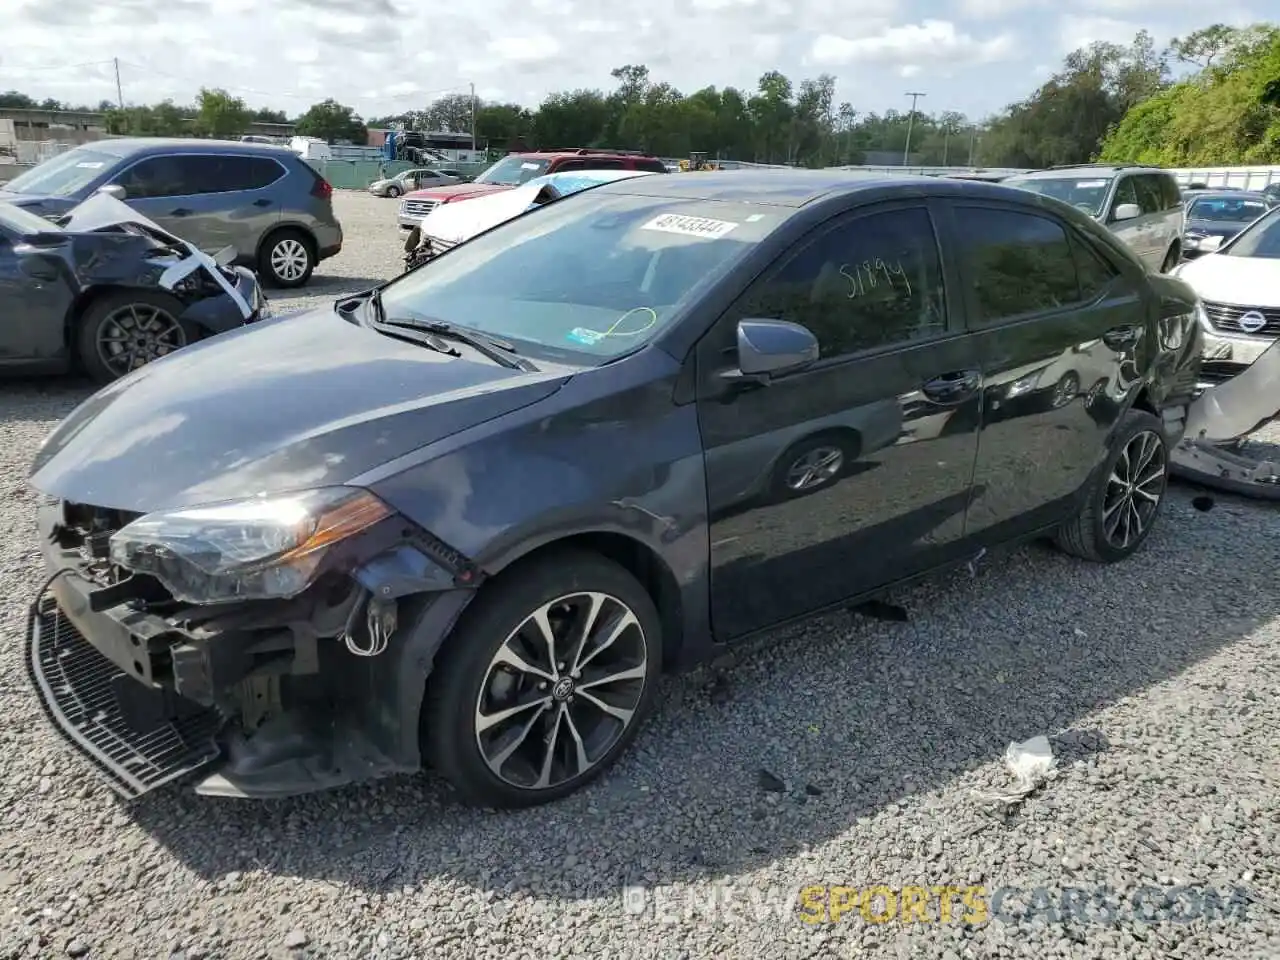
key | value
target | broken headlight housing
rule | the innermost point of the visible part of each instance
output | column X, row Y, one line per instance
column 262, row 548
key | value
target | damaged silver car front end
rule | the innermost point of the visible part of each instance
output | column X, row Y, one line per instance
column 1221, row 419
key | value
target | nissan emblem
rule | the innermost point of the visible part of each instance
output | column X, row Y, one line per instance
column 1252, row 322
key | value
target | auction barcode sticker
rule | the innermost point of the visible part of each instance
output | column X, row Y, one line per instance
column 690, row 226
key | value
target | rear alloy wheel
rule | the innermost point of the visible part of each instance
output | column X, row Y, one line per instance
column 1125, row 496
column 287, row 259
column 545, row 683
column 123, row 331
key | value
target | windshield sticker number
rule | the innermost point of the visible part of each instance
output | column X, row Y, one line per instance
column 870, row 274
column 528, row 166
column 1090, row 184
column 89, row 165
column 702, row 227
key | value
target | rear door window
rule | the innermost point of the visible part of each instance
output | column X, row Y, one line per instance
column 1149, row 194
column 1017, row 263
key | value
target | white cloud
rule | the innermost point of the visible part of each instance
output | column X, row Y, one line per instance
column 1077, row 32
column 934, row 41
column 994, row 9
column 525, row 49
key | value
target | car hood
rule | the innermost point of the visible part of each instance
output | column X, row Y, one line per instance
column 303, row 400
column 1214, row 228
column 1244, row 281
column 456, row 222
column 459, row 191
column 38, row 204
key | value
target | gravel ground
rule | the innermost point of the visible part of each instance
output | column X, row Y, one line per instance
column 1156, row 680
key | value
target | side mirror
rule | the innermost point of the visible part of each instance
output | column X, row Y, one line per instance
column 114, row 190
column 1128, row 211
column 767, row 348
column 411, row 241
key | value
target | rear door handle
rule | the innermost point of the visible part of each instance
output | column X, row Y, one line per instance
column 262, row 202
column 952, row 387
column 180, row 212
column 1118, row 338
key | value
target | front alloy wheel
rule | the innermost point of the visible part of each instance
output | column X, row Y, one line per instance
column 544, row 682
column 561, row 690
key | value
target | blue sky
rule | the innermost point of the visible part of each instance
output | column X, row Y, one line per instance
column 385, row 56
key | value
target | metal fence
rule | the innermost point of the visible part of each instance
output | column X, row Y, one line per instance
column 1244, row 178
column 358, row 174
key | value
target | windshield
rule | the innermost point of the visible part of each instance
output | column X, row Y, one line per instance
column 513, row 171
column 1231, row 209
column 587, row 280
column 24, row 222
column 1084, row 193
column 63, row 175
column 1260, row 239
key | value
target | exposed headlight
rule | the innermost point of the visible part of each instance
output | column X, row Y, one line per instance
column 256, row 549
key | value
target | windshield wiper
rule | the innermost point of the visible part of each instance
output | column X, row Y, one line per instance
column 496, row 349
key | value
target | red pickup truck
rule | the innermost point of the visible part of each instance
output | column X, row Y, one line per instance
column 517, row 168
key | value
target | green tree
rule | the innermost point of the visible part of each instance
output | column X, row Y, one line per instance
column 220, row 115
column 332, row 121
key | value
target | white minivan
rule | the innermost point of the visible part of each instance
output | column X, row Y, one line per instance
column 1140, row 205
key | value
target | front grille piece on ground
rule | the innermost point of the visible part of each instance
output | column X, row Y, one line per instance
column 75, row 685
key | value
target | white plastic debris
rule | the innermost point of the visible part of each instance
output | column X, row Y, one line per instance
column 1032, row 763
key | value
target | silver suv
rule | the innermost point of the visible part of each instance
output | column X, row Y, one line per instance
column 1141, row 205
column 264, row 201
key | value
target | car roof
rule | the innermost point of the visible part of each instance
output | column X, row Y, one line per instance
column 577, row 154
column 1219, row 194
column 1085, row 170
column 795, row 188
column 137, row 146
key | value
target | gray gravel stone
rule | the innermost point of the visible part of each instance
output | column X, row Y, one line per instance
column 1157, row 680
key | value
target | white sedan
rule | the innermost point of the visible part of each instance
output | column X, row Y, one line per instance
column 451, row 223
column 1239, row 289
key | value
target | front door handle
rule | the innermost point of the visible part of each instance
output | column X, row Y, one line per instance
column 953, row 387
column 262, row 202
column 180, row 212
column 1120, row 338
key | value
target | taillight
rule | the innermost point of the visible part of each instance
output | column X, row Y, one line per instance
column 322, row 189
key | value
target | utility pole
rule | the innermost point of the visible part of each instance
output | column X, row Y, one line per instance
column 946, row 141
column 906, row 151
column 473, row 121
column 119, row 94
column 973, row 142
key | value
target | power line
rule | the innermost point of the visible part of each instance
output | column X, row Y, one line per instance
column 915, row 96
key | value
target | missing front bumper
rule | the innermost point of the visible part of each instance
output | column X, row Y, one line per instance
column 137, row 737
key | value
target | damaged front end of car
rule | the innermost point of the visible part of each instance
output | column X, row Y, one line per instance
column 270, row 646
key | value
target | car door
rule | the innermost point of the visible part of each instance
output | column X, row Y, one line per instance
column 1055, row 325
column 820, row 486
column 34, row 302
column 1154, row 220
column 1129, row 231
column 209, row 200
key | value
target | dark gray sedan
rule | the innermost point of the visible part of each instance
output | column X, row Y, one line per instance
column 466, row 520
column 109, row 292
column 1214, row 217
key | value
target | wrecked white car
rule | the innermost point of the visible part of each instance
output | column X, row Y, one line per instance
column 104, row 290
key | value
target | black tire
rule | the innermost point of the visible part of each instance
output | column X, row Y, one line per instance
column 1171, row 259
column 449, row 729
column 285, row 247
column 393, row 192
column 779, row 489
column 102, row 309
column 1086, row 535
